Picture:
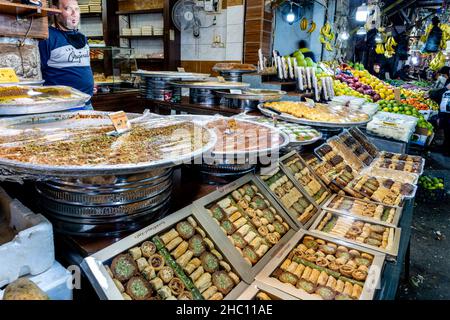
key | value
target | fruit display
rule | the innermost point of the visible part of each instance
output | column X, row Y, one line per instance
column 381, row 88
column 291, row 198
column 416, row 103
column 358, row 207
column 407, row 109
column 354, row 83
column 342, row 89
column 437, row 62
column 310, row 183
column 250, row 221
column 327, row 36
column 389, row 49
column 431, row 183
column 351, row 229
column 320, row 113
column 179, row 264
column 324, row 270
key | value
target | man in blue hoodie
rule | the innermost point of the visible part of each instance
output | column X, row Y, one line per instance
column 65, row 54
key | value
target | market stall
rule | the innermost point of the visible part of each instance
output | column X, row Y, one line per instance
column 293, row 177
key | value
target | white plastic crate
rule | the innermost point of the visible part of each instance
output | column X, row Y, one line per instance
column 31, row 251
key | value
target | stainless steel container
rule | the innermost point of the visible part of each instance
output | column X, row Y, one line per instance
column 204, row 97
column 105, row 205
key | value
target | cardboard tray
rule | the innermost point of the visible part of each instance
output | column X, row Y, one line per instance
column 94, row 265
column 311, row 171
column 248, row 272
column 393, row 223
column 257, row 286
column 370, row 286
column 302, row 191
column 393, row 252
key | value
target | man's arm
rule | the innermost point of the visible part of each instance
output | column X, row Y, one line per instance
column 44, row 52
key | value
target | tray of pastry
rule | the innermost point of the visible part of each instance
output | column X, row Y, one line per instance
column 400, row 176
column 359, row 230
column 23, row 100
column 384, row 190
column 173, row 259
column 260, row 291
column 399, row 165
column 402, row 157
column 299, row 171
column 321, row 115
column 368, row 209
column 349, row 143
column 364, row 141
column 290, row 196
column 333, row 150
column 317, row 267
column 249, row 221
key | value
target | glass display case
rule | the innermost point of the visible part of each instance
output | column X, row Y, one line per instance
column 112, row 67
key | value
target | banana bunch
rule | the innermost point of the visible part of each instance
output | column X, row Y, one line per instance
column 326, row 36
column 312, row 27
column 438, row 61
column 389, row 50
column 304, row 24
column 379, row 49
column 445, row 35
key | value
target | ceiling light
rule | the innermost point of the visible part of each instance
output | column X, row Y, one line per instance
column 290, row 17
column 362, row 12
column 361, row 31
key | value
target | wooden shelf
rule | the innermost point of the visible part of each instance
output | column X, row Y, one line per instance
column 26, row 10
column 142, row 37
column 157, row 10
column 91, row 14
column 157, row 60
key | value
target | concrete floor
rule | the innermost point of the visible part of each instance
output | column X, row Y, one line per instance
column 430, row 242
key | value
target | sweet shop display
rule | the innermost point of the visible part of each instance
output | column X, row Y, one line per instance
column 298, row 168
column 181, row 262
column 364, row 208
column 317, row 267
column 290, row 197
column 250, row 222
column 297, row 133
column 374, row 235
column 319, row 114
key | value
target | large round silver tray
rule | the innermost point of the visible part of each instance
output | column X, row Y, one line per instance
column 24, row 83
column 170, row 74
column 39, row 172
column 292, row 143
column 203, row 119
column 235, row 71
column 78, row 99
column 211, row 85
column 312, row 123
column 254, row 94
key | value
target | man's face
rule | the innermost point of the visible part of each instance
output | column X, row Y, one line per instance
column 70, row 15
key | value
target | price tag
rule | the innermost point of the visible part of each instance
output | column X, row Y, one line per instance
column 397, row 94
column 180, row 69
column 310, row 102
column 236, row 91
column 120, row 121
column 220, row 79
column 8, row 75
